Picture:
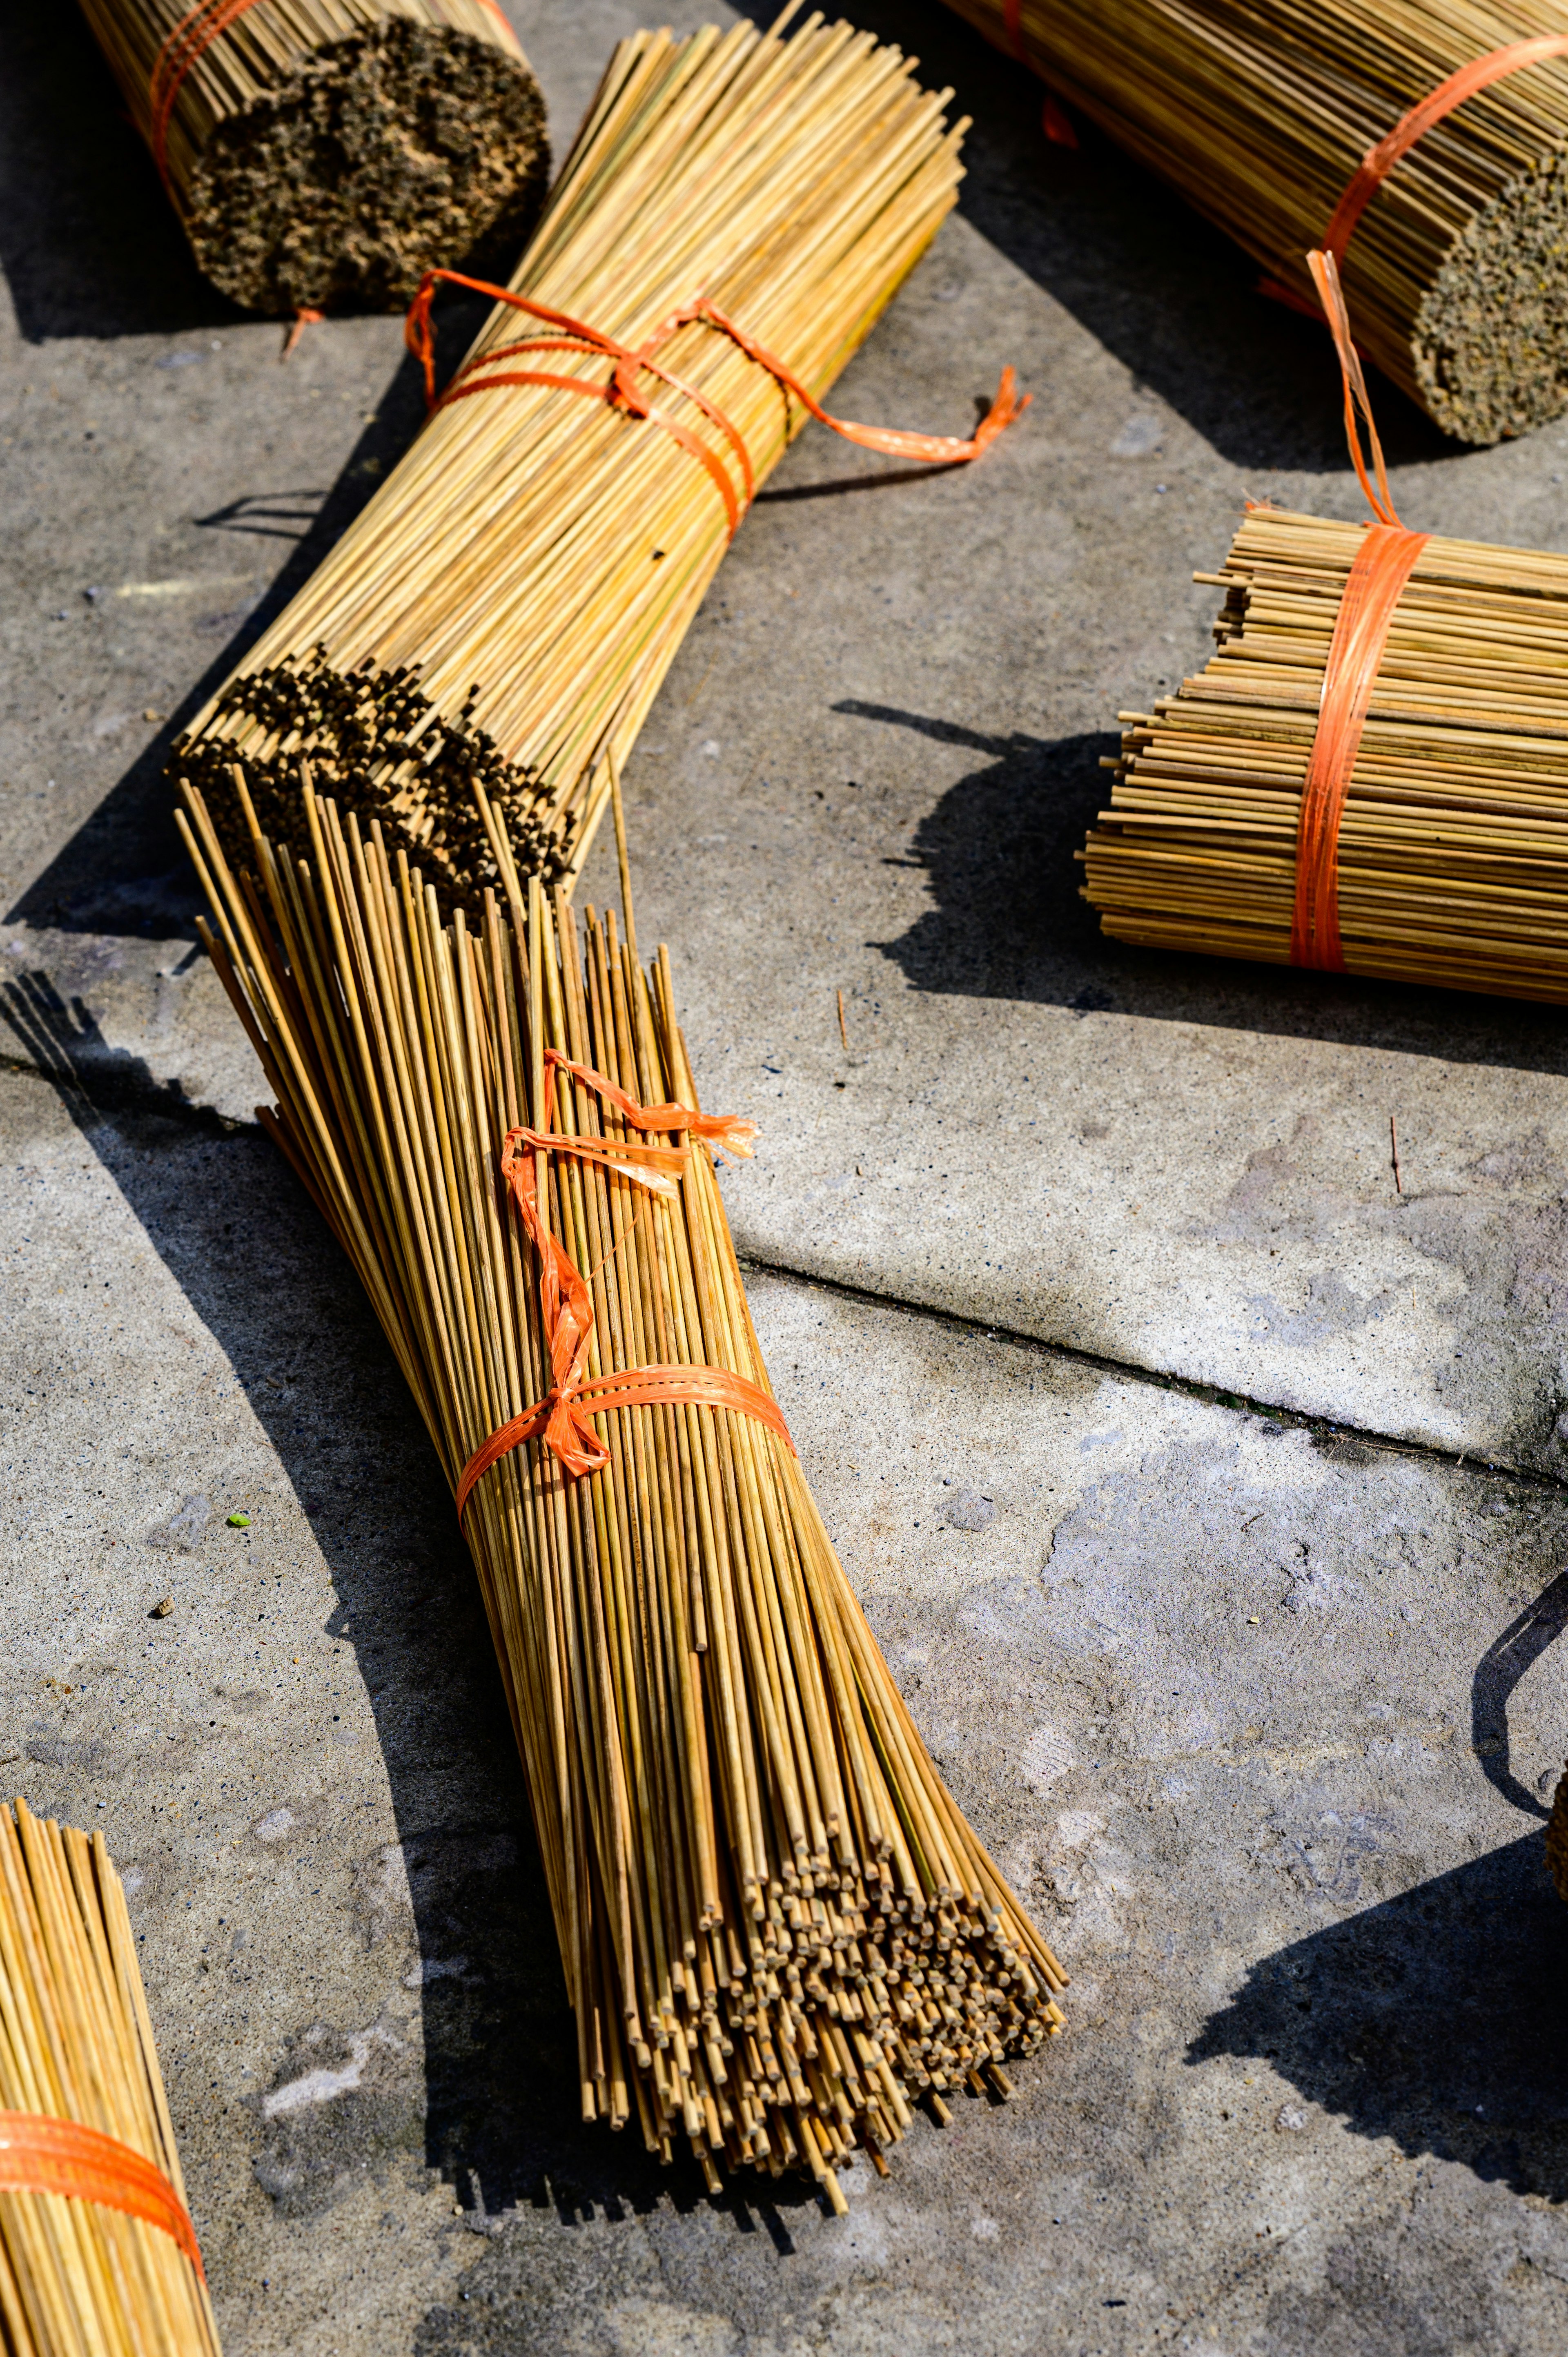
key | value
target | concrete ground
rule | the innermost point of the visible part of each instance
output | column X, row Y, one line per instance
column 1208, row 1494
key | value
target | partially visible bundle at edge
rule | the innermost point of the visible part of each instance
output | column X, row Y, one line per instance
column 98, row 2256
column 322, row 154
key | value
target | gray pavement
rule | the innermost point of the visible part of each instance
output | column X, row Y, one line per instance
column 1205, row 1493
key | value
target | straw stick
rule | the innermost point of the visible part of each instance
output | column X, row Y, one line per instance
column 481, row 647
column 79, row 2276
column 1261, row 112
column 778, row 1931
column 1453, row 841
column 324, row 153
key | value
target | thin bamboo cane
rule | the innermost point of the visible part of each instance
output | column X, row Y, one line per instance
column 324, row 153
column 778, row 1929
column 486, row 641
column 1453, row 841
column 1260, row 111
column 77, row 2278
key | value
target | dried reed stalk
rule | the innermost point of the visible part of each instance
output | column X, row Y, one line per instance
column 778, row 1931
column 505, row 608
column 79, row 2278
column 1260, row 111
column 1453, row 841
column 327, row 153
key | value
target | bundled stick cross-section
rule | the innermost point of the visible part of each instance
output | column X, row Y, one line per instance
column 735, row 214
column 1280, row 120
column 327, row 153
column 778, row 1931
column 98, row 2257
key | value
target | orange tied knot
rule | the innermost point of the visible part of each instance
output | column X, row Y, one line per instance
column 40, row 2154
column 564, row 1418
column 623, row 391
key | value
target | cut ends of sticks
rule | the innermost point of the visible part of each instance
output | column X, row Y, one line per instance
column 778, row 1931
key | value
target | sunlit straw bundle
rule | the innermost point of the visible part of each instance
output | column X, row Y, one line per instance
column 505, row 608
column 98, row 2257
column 778, row 1931
column 324, row 152
column 1261, row 112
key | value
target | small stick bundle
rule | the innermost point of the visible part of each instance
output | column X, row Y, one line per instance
column 778, row 1931
column 735, row 214
column 1280, row 121
column 325, row 153
column 1453, row 847
column 98, row 2257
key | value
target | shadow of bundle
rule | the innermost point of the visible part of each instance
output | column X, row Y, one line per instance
column 778, row 1931
column 506, row 608
column 322, row 155
column 1261, row 112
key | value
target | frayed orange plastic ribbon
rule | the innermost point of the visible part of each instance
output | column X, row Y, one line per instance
column 185, row 44
column 1383, row 565
column 39, row 2154
column 1055, row 120
column 1380, row 160
column 622, row 392
column 563, row 1418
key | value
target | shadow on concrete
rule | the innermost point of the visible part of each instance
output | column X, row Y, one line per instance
column 499, row 2114
column 1433, row 2019
column 1499, row 1670
column 1008, row 921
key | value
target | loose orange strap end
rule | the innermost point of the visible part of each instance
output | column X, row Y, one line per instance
column 39, row 2154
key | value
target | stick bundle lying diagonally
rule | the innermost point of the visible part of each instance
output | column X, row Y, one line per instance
column 505, row 608
column 778, row 1931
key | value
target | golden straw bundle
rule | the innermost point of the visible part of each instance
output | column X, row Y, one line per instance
column 98, row 2257
column 1452, row 857
column 778, row 1931
column 323, row 153
column 505, row 608
column 1261, row 112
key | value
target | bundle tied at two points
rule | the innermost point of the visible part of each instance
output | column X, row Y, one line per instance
column 323, row 154
column 778, row 1931
column 735, row 214
column 1264, row 112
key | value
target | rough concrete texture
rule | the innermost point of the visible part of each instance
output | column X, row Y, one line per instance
column 1259, row 1695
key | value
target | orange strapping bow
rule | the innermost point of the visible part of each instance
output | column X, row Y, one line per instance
column 564, row 1416
column 180, row 51
column 42, row 2154
column 1383, row 565
column 1380, row 160
column 1055, row 120
column 622, row 391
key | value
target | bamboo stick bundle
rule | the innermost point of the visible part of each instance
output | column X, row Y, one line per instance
column 98, row 2257
column 736, row 212
column 1375, row 129
column 324, row 153
column 778, row 1929
column 1370, row 775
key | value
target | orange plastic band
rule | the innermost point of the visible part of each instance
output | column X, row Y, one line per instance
column 1383, row 565
column 563, row 1418
column 622, row 392
column 42, row 2154
column 1055, row 121
column 185, row 44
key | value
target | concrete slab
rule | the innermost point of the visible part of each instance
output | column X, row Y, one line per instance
column 1261, row 1721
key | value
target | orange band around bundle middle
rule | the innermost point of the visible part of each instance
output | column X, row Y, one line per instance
column 39, row 2154
column 622, row 390
column 563, row 1419
column 1055, row 120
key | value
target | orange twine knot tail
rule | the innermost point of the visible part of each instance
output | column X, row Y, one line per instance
column 40, row 2154
column 304, row 317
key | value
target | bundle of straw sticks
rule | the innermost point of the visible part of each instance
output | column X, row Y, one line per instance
column 98, row 2257
column 735, row 214
column 778, row 1931
column 324, row 153
column 1299, row 123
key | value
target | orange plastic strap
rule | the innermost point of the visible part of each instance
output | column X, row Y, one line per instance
column 196, row 33
column 42, row 2154
column 563, row 1418
column 1383, row 565
column 1055, row 121
column 622, row 391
